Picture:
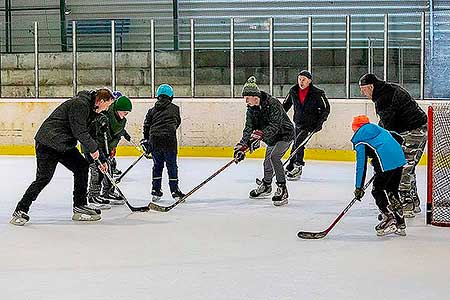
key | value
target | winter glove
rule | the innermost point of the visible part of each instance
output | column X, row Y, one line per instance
column 103, row 127
column 255, row 139
column 359, row 193
column 126, row 136
column 147, row 146
column 239, row 152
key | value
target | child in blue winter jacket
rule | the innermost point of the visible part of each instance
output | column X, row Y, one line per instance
column 383, row 147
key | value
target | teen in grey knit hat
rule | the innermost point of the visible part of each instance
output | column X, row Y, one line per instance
column 250, row 88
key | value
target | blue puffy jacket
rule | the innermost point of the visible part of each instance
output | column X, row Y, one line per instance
column 388, row 153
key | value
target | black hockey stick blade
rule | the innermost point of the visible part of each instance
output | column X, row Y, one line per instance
column 113, row 182
column 311, row 235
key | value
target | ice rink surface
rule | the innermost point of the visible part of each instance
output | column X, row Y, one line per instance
column 219, row 244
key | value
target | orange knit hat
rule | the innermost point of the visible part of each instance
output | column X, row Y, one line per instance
column 359, row 121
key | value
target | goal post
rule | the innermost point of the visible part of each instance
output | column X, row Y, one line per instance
column 438, row 171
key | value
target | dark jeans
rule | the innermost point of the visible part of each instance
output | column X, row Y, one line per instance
column 170, row 158
column 47, row 159
column 386, row 183
column 300, row 135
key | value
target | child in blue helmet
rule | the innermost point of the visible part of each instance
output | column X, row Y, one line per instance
column 160, row 139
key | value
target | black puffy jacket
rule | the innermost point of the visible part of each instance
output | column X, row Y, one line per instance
column 161, row 123
column 68, row 123
column 398, row 111
column 271, row 119
column 313, row 112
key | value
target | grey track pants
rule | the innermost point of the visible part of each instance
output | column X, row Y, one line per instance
column 272, row 162
column 413, row 145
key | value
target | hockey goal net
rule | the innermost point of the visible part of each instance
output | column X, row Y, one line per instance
column 438, row 193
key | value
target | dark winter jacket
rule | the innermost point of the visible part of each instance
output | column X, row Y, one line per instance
column 313, row 112
column 271, row 119
column 161, row 123
column 116, row 128
column 68, row 123
column 397, row 110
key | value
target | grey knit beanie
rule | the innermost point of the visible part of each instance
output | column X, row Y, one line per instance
column 250, row 88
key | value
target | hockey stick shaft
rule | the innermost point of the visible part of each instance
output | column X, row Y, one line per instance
column 293, row 153
column 156, row 207
column 129, row 168
column 322, row 234
column 132, row 208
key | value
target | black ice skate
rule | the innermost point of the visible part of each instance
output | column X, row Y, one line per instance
column 156, row 195
column 84, row 213
column 295, row 173
column 177, row 195
column 98, row 203
column 113, row 198
column 263, row 190
column 281, row 195
column 19, row 218
column 400, row 220
column 387, row 225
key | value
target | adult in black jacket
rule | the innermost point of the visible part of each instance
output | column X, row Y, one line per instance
column 160, row 139
column 266, row 121
column 311, row 110
column 56, row 141
column 399, row 112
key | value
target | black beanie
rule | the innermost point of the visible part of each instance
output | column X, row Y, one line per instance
column 368, row 78
column 305, row 73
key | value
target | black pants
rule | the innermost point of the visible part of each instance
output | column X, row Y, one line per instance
column 47, row 159
column 170, row 158
column 301, row 135
column 386, row 183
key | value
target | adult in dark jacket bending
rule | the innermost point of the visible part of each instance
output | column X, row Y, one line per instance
column 311, row 109
column 266, row 121
column 56, row 141
column 399, row 112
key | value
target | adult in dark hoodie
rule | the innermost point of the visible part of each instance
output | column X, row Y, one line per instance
column 399, row 112
column 160, row 139
column 56, row 142
column 311, row 110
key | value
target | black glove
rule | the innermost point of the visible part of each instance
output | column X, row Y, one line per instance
column 147, row 146
column 359, row 193
column 126, row 136
column 103, row 127
column 255, row 140
column 239, row 152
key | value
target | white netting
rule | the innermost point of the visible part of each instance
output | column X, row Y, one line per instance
column 440, row 202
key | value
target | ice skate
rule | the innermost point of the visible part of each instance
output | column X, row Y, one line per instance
column 113, row 198
column 388, row 225
column 281, row 195
column 19, row 218
column 295, row 173
column 156, row 195
column 83, row 213
column 98, row 203
column 177, row 195
column 263, row 190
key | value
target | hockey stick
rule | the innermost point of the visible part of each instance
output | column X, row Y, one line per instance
column 293, row 153
column 132, row 208
column 138, row 148
column 318, row 235
column 156, row 207
column 129, row 168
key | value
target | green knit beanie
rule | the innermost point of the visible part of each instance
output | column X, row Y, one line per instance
column 123, row 103
column 250, row 88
